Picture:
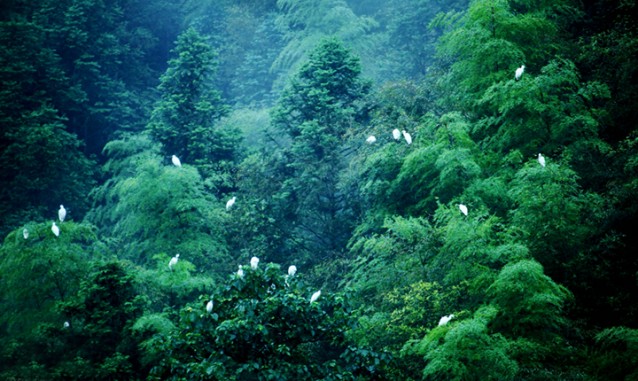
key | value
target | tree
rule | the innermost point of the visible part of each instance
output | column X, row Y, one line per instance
column 465, row 351
column 319, row 109
column 531, row 315
column 148, row 208
column 184, row 120
column 43, row 162
column 263, row 326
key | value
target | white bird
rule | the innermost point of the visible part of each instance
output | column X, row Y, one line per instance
column 541, row 160
column 254, row 261
column 519, row 72
column 209, row 306
column 445, row 319
column 173, row 262
column 55, row 229
column 371, row 139
column 61, row 213
column 230, row 202
column 176, row 161
column 66, row 324
column 407, row 136
column 315, row 296
column 240, row 272
column 463, row 209
column 292, row 270
column 25, row 233
column 396, row 134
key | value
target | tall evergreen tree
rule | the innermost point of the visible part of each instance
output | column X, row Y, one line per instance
column 322, row 106
column 185, row 118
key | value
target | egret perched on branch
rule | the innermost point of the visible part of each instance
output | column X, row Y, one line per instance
column 25, row 233
column 371, row 139
column 519, row 72
column 407, row 136
column 66, row 324
column 240, row 272
column 230, row 202
column 541, row 160
column 55, row 229
column 176, row 161
column 292, row 270
column 463, row 209
column 396, row 134
column 173, row 262
column 61, row 213
column 209, row 306
column 445, row 319
column 254, row 261
column 315, row 296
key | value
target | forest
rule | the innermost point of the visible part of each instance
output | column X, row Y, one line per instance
column 319, row 190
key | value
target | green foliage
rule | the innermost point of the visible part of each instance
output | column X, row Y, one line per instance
column 553, row 216
column 616, row 354
column 465, row 351
column 152, row 208
column 98, row 340
column 321, row 106
column 185, row 118
column 529, row 303
column 41, row 271
column 262, row 326
column 305, row 23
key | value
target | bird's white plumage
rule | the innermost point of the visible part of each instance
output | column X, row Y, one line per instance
column 62, row 213
column 463, row 209
column 55, row 229
column 209, row 306
column 254, row 261
column 541, row 160
column 25, row 233
column 292, row 270
column 371, row 139
column 66, row 324
column 519, row 72
column 176, row 161
column 445, row 319
column 240, row 272
column 396, row 134
column 173, row 261
column 315, row 296
column 230, row 203
column 407, row 136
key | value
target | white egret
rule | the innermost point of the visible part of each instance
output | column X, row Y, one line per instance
column 230, row 202
column 541, row 160
column 209, row 306
column 62, row 213
column 55, row 229
column 463, row 209
column 176, row 161
column 519, row 72
column 173, row 262
column 407, row 136
column 292, row 270
column 315, row 296
column 445, row 319
column 254, row 261
column 371, row 139
column 66, row 324
column 240, row 272
column 396, row 134
column 25, row 233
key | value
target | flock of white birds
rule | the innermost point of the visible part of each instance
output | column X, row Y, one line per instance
column 254, row 264
column 292, row 270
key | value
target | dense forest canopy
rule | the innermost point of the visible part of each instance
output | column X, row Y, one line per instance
column 319, row 189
